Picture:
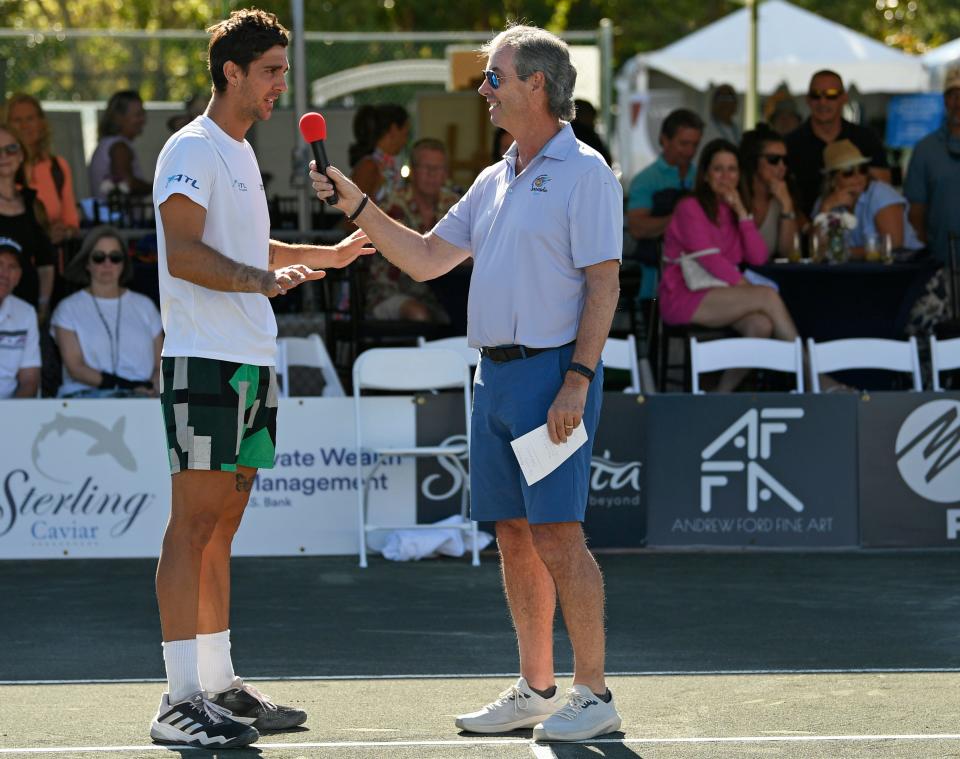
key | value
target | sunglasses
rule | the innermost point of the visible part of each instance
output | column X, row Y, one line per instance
column 496, row 79
column 11, row 148
column 774, row 159
column 862, row 169
column 99, row 256
column 831, row 94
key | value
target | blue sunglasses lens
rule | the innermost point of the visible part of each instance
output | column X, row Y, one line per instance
column 493, row 79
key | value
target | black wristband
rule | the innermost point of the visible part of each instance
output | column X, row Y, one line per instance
column 586, row 371
column 363, row 204
column 108, row 381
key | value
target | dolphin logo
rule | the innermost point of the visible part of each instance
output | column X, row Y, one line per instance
column 105, row 441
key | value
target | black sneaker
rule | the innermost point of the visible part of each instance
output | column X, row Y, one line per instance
column 246, row 704
column 197, row 722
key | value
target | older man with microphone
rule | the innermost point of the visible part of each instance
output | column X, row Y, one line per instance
column 544, row 227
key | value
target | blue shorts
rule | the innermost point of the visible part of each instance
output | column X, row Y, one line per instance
column 509, row 400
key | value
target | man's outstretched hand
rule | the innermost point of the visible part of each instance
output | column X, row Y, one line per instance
column 281, row 281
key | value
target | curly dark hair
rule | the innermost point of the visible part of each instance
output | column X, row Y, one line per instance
column 242, row 38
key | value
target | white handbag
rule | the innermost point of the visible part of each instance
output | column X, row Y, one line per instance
column 697, row 277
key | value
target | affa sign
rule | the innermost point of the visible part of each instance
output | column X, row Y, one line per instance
column 726, row 470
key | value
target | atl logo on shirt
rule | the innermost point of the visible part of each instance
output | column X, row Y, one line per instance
column 184, row 179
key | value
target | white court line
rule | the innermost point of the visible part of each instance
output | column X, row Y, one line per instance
column 514, row 675
column 507, row 741
column 542, row 751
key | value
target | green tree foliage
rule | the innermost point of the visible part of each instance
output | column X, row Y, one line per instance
column 164, row 69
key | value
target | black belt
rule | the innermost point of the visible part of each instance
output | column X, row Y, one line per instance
column 503, row 353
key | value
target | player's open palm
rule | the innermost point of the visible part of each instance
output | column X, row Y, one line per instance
column 350, row 248
column 282, row 280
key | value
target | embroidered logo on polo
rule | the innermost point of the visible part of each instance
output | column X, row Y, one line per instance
column 238, row 185
column 539, row 184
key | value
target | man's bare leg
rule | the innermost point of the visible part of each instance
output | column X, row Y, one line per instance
column 532, row 599
column 563, row 550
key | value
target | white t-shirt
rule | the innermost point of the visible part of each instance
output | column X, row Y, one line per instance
column 19, row 342
column 208, row 166
column 95, row 322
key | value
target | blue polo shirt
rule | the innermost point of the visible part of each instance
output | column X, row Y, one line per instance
column 933, row 179
column 531, row 237
column 658, row 176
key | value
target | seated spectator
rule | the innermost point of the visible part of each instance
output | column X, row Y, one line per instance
column 48, row 174
column 826, row 98
column 23, row 220
column 715, row 225
column 419, row 205
column 114, row 165
column 721, row 124
column 763, row 156
column 381, row 134
column 109, row 337
column 880, row 209
column 655, row 191
column 19, row 334
column 584, row 127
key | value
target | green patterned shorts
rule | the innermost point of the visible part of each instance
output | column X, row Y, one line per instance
column 218, row 415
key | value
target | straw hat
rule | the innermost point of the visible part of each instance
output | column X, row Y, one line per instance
column 841, row 155
column 952, row 80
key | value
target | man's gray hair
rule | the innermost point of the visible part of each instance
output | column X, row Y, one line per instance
column 538, row 50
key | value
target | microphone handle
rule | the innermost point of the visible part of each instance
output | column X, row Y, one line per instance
column 320, row 156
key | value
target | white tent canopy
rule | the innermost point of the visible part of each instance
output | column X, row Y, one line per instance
column 793, row 44
column 939, row 60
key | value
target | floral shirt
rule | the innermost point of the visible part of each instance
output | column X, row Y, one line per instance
column 384, row 279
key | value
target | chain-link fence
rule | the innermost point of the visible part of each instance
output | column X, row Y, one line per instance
column 170, row 65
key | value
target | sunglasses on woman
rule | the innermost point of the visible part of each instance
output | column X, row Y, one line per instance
column 774, row 159
column 862, row 169
column 99, row 256
column 11, row 148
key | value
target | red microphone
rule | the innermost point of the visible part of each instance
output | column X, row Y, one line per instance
column 314, row 130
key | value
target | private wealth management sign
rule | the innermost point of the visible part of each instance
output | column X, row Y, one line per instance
column 776, row 470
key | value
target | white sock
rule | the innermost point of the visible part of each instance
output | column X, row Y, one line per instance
column 214, row 662
column 183, row 677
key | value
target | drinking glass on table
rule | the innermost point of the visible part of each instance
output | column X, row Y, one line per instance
column 796, row 251
column 871, row 247
column 886, row 248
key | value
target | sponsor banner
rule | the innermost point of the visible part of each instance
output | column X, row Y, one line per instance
column 615, row 513
column 89, row 478
column 777, row 470
column 910, row 469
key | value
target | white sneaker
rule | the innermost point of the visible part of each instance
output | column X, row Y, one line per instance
column 585, row 716
column 515, row 708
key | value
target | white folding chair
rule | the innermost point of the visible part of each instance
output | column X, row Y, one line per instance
column 621, row 353
column 406, row 370
column 944, row 357
column 311, row 352
column 458, row 344
column 745, row 353
column 863, row 353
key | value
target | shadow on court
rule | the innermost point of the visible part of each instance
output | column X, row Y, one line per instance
column 322, row 616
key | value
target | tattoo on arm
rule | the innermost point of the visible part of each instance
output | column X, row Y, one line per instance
column 249, row 280
column 244, row 483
